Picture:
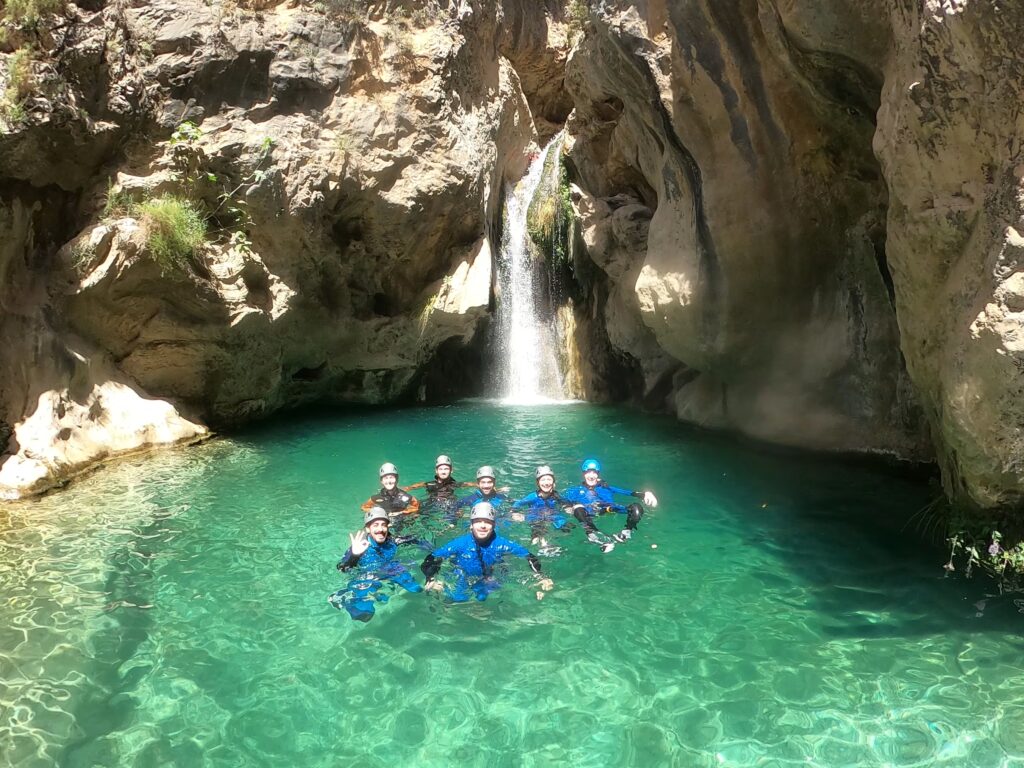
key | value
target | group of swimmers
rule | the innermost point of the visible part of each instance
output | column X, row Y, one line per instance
column 372, row 556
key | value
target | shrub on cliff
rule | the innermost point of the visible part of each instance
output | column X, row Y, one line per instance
column 25, row 14
column 175, row 231
column 20, row 83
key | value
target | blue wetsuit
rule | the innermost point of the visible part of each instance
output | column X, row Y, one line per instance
column 474, row 563
column 378, row 566
column 543, row 508
column 494, row 498
column 600, row 498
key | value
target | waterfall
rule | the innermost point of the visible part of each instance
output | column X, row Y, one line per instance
column 528, row 339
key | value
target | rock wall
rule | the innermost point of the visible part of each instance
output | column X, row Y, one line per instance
column 799, row 220
column 809, row 217
column 351, row 165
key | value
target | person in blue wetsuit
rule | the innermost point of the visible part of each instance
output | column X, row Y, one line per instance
column 596, row 497
column 373, row 552
column 543, row 508
column 485, row 491
column 475, row 557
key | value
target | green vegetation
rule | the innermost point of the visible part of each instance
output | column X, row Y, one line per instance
column 26, row 14
column 549, row 218
column 21, row 82
column 576, row 15
column 987, row 552
column 175, row 231
column 116, row 203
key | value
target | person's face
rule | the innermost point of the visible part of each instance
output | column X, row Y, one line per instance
column 378, row 529
column 485, row 484
column 546, row 483
column 481, row 528
column 388, row 482
column 590, row 478
column 443, row 471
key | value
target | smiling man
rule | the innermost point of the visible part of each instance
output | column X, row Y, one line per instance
column 474, row 557
column 373, row 554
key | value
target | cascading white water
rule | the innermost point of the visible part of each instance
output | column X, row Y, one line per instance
column 528, row 342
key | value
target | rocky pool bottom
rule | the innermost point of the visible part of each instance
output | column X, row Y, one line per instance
column 172, row 610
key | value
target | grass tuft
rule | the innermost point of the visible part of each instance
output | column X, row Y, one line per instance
column 175, row 231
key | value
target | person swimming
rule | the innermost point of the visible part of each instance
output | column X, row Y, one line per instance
column 474, row 557
column 373, row 553
column 596, row 497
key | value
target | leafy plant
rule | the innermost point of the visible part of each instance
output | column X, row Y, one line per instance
column 175, row 230
column 1004, row 564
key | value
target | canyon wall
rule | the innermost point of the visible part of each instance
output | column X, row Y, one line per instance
column 797, row 220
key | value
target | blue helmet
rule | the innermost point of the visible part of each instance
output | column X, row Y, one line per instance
column 591, row 464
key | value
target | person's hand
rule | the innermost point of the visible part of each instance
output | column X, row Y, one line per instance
column 650, row 499
column 433, row 586
column 360, row 542
column 518, row 517
column 504, row 489
column 547, row 584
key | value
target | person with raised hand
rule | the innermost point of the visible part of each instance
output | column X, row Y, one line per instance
column 373, row 554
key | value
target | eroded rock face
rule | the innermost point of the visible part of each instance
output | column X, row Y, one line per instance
column 757, row 259
column 799, row 219
column 951, row 140
column 352, row 168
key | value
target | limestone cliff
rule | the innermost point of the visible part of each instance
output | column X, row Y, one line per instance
column 792, row 198
column 798, row 220
column 349, row 165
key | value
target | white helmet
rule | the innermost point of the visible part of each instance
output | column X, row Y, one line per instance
column 485, row 471
column 375, row 513
column 482, row 510
column 387, row 468
column 443, row 460
column 544, row 469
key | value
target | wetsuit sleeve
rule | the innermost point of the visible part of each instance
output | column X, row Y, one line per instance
column 433, row 561
column 534, row 562
column 430, row 566
column 348, row 561
column 401, row 540
column 622, row 491
column 516, row 549
column 415, row 486
column 522, row 502
column 368, row 504
column 413, row 507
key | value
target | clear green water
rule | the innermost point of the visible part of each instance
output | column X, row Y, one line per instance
column 172, row 611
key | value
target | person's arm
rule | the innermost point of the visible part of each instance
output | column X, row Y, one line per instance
column 545, row 583
column 368, row 504
column 348, row 561
column 648, row 498
column 523, row 502
column 415, row 486
column 413, row 506
column 432, row 563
